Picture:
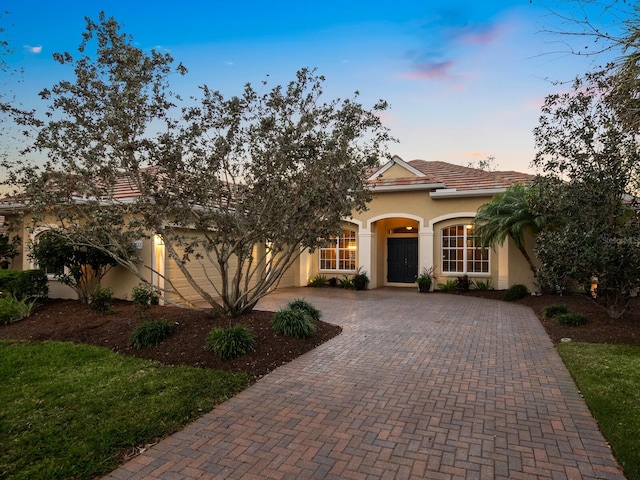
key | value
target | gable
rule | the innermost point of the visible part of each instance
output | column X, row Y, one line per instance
column 398, row 171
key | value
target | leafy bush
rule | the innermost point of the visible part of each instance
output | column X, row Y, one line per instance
column 13, row 309
column 151, row 333
column 515, row 292
column 24, row 283
column 360, row 280
column 553, row 310
column 463, row 283
column 448, row 286
column 333, row 282
column 483, row 285
column 318, row 281
column 571, row 319
column 231, row 342
column 101, row 300
column 303, row 305
column 346, row 282
column 143, row 296
column 293, row 323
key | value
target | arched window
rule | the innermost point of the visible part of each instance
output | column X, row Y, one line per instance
column 462, row 251
column 341, row 252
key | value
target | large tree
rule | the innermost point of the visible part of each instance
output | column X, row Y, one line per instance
column 235, row 187
column 591, row 160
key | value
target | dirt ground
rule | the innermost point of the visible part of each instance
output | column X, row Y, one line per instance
column 68, row 320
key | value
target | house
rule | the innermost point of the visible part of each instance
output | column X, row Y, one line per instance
column 420, row 217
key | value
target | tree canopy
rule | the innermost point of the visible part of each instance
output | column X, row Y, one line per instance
column 591, row 159
column 235, row 187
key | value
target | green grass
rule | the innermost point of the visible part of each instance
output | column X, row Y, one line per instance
column 609, row 378
column 70, row 411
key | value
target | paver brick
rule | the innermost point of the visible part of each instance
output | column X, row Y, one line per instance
column 416, row 386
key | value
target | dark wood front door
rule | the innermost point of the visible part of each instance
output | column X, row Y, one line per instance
column 402, row 260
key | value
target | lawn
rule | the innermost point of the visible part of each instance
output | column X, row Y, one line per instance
column 73, row 411
column 609, row 378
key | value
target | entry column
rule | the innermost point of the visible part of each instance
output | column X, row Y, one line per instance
column 365, row 241
column 425, row 250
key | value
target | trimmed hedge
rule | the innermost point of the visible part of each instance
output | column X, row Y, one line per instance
column 24, row 283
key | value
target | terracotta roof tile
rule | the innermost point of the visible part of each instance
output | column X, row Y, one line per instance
column 455, row 177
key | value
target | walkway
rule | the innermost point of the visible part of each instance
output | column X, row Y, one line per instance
column 417, row 386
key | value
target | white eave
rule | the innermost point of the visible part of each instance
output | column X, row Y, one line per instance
column 406, row 188
column 453, row 193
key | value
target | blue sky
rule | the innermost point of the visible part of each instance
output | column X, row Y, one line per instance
column 464, row 79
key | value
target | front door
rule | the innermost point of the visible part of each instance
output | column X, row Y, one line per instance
column 402, row 260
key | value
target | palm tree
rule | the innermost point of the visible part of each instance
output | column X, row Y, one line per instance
column 509, row 214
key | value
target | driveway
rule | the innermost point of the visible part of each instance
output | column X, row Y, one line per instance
column 417, row 386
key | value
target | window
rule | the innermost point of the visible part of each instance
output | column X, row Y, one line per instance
column 341, row 252
column 462, row 252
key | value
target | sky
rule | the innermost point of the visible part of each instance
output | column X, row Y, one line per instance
column 464, row 79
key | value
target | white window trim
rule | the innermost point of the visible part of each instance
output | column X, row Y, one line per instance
column 464, row 259
column 337, row 252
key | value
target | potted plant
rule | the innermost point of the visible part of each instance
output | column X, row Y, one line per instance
column 424, row 280
column 360, row 280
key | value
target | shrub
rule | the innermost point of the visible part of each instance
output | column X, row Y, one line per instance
column 151, row 333
column 553, row 310
column 346, row 282
column 571, row 319
column 463, row 283
column 448, row 286
column 101, row 300
column 303, row 305
column 483, row 285
column 293, row 323
column 231, row 342
column 143, row 296
column 515, row 292
column 360, row 280
column 13, row 309
column 333, row 282
column 24, row 283
column 318, row 281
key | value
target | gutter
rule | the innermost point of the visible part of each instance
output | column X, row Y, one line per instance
column 453, row 193
column 406, row 188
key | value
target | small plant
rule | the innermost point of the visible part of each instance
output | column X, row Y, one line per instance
column 515, row 292
column 463, row 283
column 571, row 319
column 303, row 305
column 346, row 282
column 101, row 300
column 142, row 296
column 483, row 285
column 551, row 311
column 293, row 323
column 360, row 280
column 13, row 309
column 318, row 281
column 151, row 333
column 333, row 282
column 231, row 342
column 448, row 286
column 424, row 280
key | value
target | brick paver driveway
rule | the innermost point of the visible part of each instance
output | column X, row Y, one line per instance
column 417, row 386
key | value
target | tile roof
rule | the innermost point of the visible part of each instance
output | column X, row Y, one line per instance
column 454, row 177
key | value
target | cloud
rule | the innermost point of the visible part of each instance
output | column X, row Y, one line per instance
column 431, row 70
column 37, row 49
column 479, row 34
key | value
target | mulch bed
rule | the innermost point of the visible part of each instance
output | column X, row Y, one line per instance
column 69, row 320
